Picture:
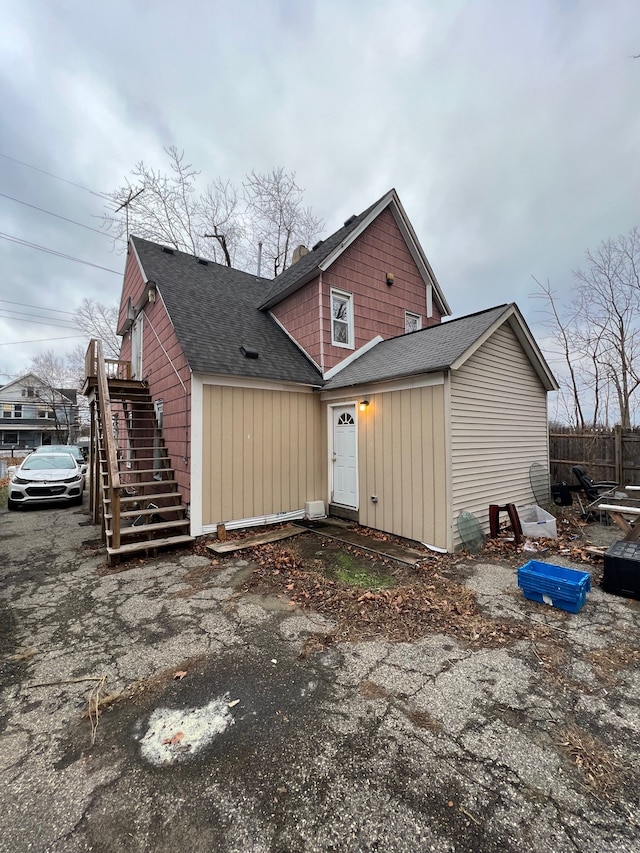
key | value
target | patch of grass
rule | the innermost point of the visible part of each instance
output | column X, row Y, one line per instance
column 351, row 573
column 4, row 493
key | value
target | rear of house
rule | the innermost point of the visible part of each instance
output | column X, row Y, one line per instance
column 336, row 382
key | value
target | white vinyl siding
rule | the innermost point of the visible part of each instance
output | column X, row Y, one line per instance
column 498, row 427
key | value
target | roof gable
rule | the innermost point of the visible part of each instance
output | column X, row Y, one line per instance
column 213, row 309
column 446, row 346
column 329, row 250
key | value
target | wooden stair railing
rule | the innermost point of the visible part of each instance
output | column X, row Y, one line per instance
column 134, row 483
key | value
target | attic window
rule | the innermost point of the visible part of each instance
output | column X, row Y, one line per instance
column 349, row 220
column 249, row 352
column 167, row 250
column 203, row 261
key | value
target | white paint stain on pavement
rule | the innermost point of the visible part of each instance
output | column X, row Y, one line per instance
column 176, row 734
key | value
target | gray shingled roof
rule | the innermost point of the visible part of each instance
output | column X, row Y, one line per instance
column 308, row 266
column 214, row 311
column 426, row 351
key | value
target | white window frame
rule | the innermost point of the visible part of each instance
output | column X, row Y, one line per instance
column 418, row 317
column 348, row 298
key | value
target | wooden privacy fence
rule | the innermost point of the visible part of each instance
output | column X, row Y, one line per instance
column 607, row 454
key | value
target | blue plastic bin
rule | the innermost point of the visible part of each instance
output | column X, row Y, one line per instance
column 548, row 584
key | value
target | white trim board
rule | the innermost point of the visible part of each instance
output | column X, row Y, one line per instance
column 237, row 523
column 351, row 358
column 256, row 384
column 425, row 380
column 197, row 454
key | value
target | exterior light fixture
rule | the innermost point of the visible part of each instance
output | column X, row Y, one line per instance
column 389, row 278
column 363, row 405
column 152, row 296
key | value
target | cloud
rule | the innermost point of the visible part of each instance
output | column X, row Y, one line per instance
column 510, row 130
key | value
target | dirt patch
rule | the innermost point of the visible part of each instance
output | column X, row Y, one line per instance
column 418, row 603
column 599, row 767
column 609, row 661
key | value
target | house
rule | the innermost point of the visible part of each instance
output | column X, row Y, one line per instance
column 34, row 413
column 336, row 382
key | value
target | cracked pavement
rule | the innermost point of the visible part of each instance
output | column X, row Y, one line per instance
column 370, row 746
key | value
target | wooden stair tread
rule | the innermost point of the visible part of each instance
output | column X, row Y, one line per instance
column 144, row 528
column 141, row 483
column 135, row 498
column 135, row 513
column 132, row 547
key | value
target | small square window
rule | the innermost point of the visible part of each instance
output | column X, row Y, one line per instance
column 412, row 322
column 342, row 319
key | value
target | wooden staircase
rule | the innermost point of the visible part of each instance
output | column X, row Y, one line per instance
column 134, row 483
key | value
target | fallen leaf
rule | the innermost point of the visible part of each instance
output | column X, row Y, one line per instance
column 172, row 741
column 178, row 676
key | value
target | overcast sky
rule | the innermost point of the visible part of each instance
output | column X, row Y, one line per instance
column 511, row 131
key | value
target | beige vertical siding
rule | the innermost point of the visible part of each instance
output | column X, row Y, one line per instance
column 498, row 426
column 264, row 452
column 401, row 461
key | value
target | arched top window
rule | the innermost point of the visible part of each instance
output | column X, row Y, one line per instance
column 346, row 419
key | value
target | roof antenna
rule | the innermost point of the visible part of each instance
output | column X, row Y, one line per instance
column 259, row 257
column 126, row 204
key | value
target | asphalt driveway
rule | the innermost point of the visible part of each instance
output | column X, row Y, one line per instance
column 217, row 734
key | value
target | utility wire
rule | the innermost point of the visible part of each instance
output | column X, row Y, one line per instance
column 41, row 322
column 39, row 341
column 29, row 245
column 39, row 307
column 7, row 311
column 64, row 218
column 57, row 177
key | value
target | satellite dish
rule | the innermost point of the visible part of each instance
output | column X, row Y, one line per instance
column 540, row 483
column 470, row 532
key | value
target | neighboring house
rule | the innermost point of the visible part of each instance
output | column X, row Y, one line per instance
column 335, row 382
column 34, row 413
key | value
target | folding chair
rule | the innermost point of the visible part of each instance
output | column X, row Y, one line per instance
column 595, row 492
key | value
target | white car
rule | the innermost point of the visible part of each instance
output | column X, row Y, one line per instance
column 46, row 478
column 73, row 449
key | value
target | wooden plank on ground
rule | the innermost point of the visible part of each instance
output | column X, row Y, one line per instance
column 260, row 539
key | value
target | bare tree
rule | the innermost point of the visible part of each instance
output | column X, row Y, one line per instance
column 609, row 302
column 220, row 223
column 561, row 327
column 56, row 394
column 277, row 216
column 100, row 321
column 598, row 334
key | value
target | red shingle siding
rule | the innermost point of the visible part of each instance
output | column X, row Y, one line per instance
column 133, row 285
column 379, row 309
column 158, row 364
column 300, row 316
column 163, row 369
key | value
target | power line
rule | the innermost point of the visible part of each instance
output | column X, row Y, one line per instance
column 64, row 218
column 39, row 307
column 57, row 177
column 29, row 245
column 40, row 341
column 53, row 320
column 41, row 322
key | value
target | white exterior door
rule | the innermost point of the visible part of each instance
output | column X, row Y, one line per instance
column 345, row 466
column 136, row 348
